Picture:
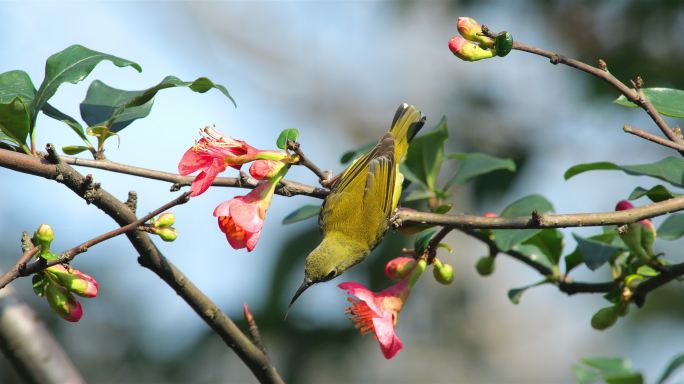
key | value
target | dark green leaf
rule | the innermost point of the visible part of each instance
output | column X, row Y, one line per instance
column 290, row 134
column 624, row 378
column 116, row 108
column 74, row 149
column 426, row 153
column 670, row 169
column 545, row 247
column 422, row 240
column 595, row 253
column 476, row 164
column 572, row 260
column 655, row 194
column 667, row 101
column 442, row 209
column 675, row 363
column 672, row 228
column 15, row 84
column 39, row 282
column 507, row 238
column 56, row 114
column 356, row 153
column 302, row 213
column 71, row 65
column 610, row 236
column 515, row 294
column 14, row 121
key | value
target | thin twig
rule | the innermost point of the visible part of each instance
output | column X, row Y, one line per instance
column 152, row 258
column 304, row 161
column 294, row 188
column 18, row 268
column 668, row 274
column 434, row 243
column 653, row 138
column 631, row 94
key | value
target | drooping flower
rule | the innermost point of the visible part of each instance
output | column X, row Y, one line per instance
column 264, row 169
column 399, row 267
column 242, row 217
column 213, row 153
column 468, row 50
column 63, row 302
column 377, row 312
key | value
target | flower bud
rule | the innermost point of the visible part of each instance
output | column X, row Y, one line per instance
column 400, row 267
column 605, row 317
column 63, row 302
column 416, row 272
column 264, row 169
column 74, row 280
column 490, row 214
column 469, row 51
column 472, row 30
column 166, row 234
column 43, row 237
column 443, row 273
column 164, row 220
column 639, row 237
column 485, row 266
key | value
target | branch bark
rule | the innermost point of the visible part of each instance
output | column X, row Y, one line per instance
column 151, row 258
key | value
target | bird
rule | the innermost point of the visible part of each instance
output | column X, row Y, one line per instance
column 356, row 213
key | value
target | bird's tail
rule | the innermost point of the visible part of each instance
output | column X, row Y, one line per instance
column 408, row 120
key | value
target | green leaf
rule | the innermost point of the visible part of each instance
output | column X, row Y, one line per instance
column 670, row 169
column 39, row 282
column 426, row 153
column 672, row 228
column 476, row 164
column 675, row 363
column 647, row 271
column 56, row 114
column 507, row 238
column 595, row 253
column 515, row 294
column 545, row 247
column 655, row 194
column 72, row 65
column 302, row 213
column 667, row 101
column 18, row 84
column 356, row 153
column 290, row 134
column 116, row 108
column 418, row 194
column 606, row 369
column 74, row 149
column 14, row 121
column 422, row 240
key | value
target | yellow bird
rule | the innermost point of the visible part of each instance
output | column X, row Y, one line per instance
column 355, row 215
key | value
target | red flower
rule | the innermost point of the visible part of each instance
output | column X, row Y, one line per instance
column 213, row 153
column 242, row 218
column 377, row 312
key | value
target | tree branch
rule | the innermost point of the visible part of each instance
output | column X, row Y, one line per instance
column 21, row 269
column 151, row 258
column 541, row 220
column 304, row 161
column 293, row 187
column 668, row 274
column 632, row 95
column 653, row 138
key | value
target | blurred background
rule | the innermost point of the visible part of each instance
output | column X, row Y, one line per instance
column 337, row 71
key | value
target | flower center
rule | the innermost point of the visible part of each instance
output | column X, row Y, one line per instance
column 227, row 225
column 361, row 316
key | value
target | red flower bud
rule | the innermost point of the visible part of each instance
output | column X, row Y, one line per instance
column 400, row 267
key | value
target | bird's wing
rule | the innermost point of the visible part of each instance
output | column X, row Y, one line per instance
column 369, row 177
column 408, row 120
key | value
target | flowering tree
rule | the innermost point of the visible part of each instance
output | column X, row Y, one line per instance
column 526, row 230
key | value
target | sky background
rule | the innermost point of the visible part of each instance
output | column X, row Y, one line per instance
column 336, row 71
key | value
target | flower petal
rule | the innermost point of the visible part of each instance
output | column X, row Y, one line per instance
column 246, row 216
column 387, row 338
column 192, row 161
column 362, row 293
column 203, row 181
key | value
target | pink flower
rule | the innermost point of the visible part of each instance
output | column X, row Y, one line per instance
column 263, row 169
column 624, row 205
column 377, row 312
column 213, row 153
column 63, row 302
column 242, row 218
column 399, row 267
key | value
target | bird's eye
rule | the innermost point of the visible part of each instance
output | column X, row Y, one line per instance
column 331, row 275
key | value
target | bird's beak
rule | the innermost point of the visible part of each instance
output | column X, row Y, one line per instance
column 305, row 284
